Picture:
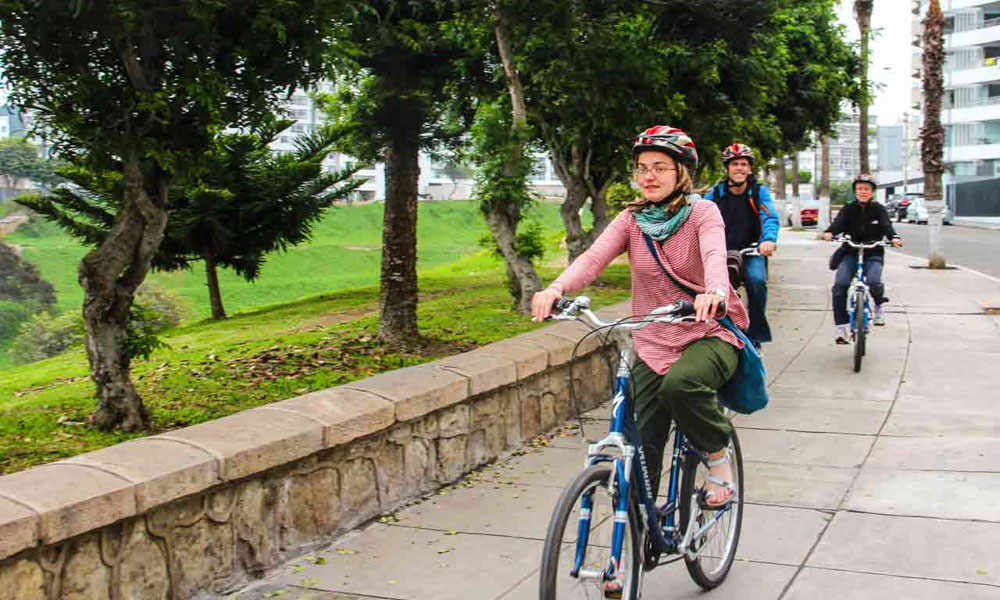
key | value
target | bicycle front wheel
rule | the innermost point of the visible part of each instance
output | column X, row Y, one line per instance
column 715, row 549
column 860, row 327
column 577, row 562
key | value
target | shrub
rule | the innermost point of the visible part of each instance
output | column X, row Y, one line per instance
column 153, row 310
column 43, row 336
column 619, row 194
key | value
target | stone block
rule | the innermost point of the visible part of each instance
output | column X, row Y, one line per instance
column 203, row 557
column 143, row 570
column 70, row 499
column 548, row 414
column 485, row 410
column 529, row 358
column 358, row 492
column 416, row 391
column 418, row 465
column 23, row 579
column 254, row 440
column 531, row 414
column 476, row 452
column 18, row 528
column 510, row 410
column 495, row 439
column 162, row 470
column 347, row 414
column 454, row 421
column 84, row 576
column 389, row 471
column 312, row 507
column 254, row 519
column 485, row 371
column 451, row 458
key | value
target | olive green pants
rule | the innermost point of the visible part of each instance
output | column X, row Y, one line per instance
column 685, row 394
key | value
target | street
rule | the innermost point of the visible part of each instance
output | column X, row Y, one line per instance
column 970, row 247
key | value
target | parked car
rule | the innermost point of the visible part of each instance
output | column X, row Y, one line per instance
column 917, row 212
column 808, row 209
column 900, row 203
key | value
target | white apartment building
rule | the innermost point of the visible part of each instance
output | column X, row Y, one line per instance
column 971, row 105
column 845, row 148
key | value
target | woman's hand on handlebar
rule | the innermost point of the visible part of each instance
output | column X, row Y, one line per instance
column 828, row 236
column 706, row 306
column 896, row 242
column 541, row 303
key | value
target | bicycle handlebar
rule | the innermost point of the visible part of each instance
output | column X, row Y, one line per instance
column 578, row 309
column 846, row 239
column 752, row 250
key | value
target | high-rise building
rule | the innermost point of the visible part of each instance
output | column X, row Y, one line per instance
column 971, row 104
column 845, row 147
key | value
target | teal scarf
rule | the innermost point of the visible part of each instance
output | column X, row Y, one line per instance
column 658, row 224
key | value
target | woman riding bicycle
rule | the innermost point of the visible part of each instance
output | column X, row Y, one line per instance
column 866, row 222
column 679, row 367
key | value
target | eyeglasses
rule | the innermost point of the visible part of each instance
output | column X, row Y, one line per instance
column 658, row 170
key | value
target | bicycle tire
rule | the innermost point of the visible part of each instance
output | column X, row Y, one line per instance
column 730, row 523
column 555, row 579
column 859, row 329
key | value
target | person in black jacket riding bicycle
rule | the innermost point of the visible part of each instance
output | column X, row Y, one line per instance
column 866, row 221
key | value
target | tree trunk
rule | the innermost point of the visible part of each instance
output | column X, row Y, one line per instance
column 863, row 13
column 110, row 275
column 398, row 280
column 214, row 293
column 796, row 201
column 577, row 239
column 932, row 135
column 823, row 220
column 779, row 190
column 504, row 215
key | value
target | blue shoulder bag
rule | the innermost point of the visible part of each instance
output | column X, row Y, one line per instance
column 746, row 390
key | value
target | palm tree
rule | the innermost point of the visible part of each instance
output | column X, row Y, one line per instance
column 863, row 13
column 932, row 134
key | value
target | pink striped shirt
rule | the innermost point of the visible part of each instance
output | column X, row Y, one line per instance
column 695, row 256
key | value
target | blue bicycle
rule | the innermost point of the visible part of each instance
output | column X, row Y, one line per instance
column 860, row 301
column 607, row 529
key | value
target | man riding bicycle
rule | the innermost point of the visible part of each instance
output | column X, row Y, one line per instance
column 866, row 222
column 750, row 218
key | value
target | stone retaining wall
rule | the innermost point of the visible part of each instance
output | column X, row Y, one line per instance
column 199, row 511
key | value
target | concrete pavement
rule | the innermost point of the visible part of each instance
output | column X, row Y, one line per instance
column 858, row 485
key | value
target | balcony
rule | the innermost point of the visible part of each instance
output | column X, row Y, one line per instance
column 986, row 111
column 988, row 33
column 971, row 153
column 950, row 5
column 988, row 73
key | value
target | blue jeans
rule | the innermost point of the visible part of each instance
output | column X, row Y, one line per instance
column 755, row 282
column 842, row 281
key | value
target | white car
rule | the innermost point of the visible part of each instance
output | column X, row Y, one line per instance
column 916, row 212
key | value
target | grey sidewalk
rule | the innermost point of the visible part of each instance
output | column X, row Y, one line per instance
column 884, row 483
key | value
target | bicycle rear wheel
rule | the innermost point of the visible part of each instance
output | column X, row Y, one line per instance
column 716, row 548
column 559, row 555
column 860, row 329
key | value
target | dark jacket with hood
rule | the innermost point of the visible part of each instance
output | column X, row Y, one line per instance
column 865, row 223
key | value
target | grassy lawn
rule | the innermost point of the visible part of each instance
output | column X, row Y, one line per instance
column 305, row 340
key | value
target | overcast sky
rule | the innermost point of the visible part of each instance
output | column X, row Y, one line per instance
column 890, row 55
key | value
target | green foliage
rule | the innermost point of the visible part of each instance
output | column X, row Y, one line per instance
column 805, row 176
column 109, row 78
column 619, row 195
column 840, row 193
column 499, row 180
column 19, row 159
column 530, row 241
column 23, row 292
column 45, row 335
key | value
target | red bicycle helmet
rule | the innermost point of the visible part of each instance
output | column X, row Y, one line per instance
column 737, row 150
column 672, row 141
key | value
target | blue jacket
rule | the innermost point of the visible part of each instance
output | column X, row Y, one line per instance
column 760, row 201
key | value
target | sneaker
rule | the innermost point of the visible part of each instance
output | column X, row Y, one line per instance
column 843, row 334
column 879, row 315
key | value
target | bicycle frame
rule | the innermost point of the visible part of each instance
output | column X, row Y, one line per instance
column 628, row 471
column 859, row 282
